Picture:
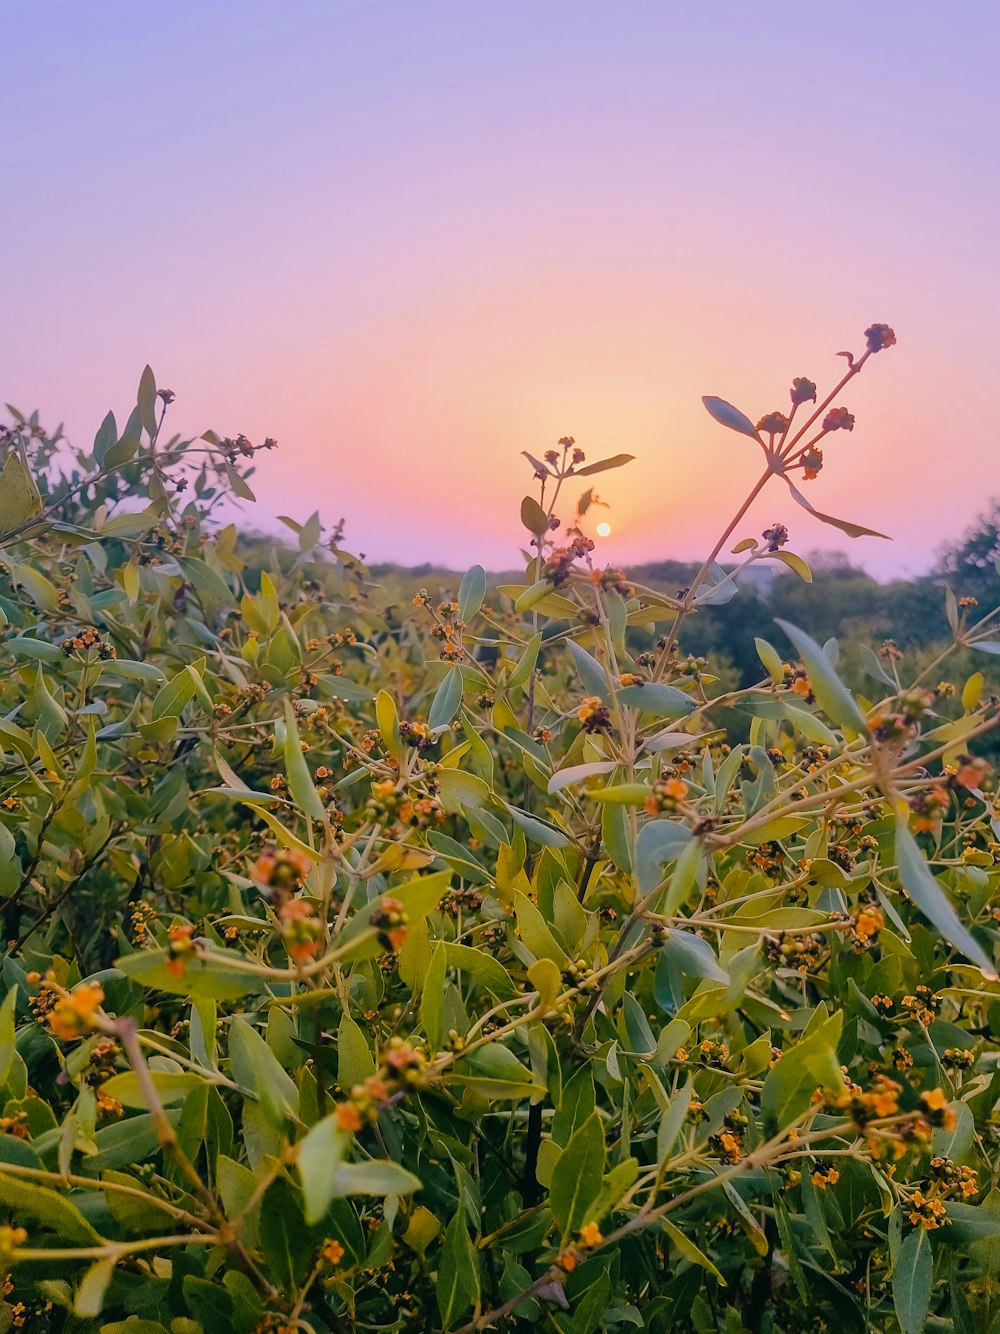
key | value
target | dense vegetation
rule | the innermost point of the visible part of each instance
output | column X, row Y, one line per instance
column 486, row 959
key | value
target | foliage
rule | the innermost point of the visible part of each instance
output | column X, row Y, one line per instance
column 452, row 966
column 971, row 562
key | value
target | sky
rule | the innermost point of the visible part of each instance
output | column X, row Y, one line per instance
column 409, row 240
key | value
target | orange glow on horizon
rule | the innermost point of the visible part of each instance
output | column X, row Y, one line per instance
column 463, row 232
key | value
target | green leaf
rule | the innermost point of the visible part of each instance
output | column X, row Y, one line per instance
column 672, row 1121
column 684, row 956
column 576, row 773
column 286, row 1242
column 378, row 1176
column 19, row 498
column 318, row 1156
column 107, row 435
column 576, row 1105
column 41, row 590
column 831, row 694
column 170, row 700
column 25, row 1199
column 146, row 401
column 912, row 1278
column 592, row 674
column 683, row 878
column 124, row 1142
column 388, row 722
column 726, row 415
column 659, row 842
column 204, row 974
column 784, row 826
column 771, row 659
column 603, row 465
column 497, row 1090
column 690, row 1251
column 660, row 700
column 525, row 664
column 447, row 700
column 810, row 1065
column 620, row 794
column 131, row 525
column 471, row 592
column 923, row 888
column 89, row 1299
column 419, row 897
column 457, row 1285
column 22, row 646
column 534, row 932
column 483, row 968
column 544, row 832
column 355, row 1062
column 7, row 1047
column 300, row 781
column 171, row 1086
column 209, row 1303
column 534, row 517
column 432, row 997
column 851, row 529
column 128, row 441
column 256, row 1068
column 793, row 562
column 132, row 671
column 616, row 835
column 576, row 1178
column 134, row 1325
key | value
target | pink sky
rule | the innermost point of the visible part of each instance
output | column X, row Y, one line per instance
column 410, row 240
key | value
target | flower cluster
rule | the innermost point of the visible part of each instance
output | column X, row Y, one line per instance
column 74, row 1012
column 89, row 640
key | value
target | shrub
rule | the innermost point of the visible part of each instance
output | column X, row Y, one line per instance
column 448, row 966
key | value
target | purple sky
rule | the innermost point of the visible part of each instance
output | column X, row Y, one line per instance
column 410, row 240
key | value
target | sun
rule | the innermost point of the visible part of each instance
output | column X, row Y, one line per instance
column 603, row 529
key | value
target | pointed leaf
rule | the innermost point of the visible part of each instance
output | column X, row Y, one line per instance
column 659, row 842
column 471, row 592
column 146, row 401
column 457, row 1285
column 726, row 415
column 447, row 700
column 603, row 465
column 923, row 888
column 591, row 672
column 319, row 1155
column 663, row 701
column 851, row 529
column 576, row 773
column 832, row 695
column 911, row 1281
column 534, row 517
column 576, row 1178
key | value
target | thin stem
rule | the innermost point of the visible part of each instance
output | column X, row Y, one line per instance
column 689, row 597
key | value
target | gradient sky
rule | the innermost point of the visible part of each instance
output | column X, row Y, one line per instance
column 411, row 239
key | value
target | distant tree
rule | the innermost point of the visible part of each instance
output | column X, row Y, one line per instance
column 970, row 564
column 832, row 561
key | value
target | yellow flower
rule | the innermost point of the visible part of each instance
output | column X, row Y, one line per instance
column 348, row 1118
column 74, row 1013
column 11, row 1238
column 591, row 1235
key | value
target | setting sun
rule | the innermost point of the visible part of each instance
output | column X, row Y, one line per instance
column 603, row 529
